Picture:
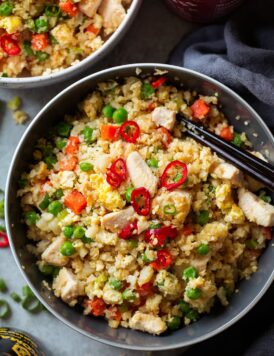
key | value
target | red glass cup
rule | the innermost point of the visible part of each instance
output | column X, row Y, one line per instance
column 203, row 11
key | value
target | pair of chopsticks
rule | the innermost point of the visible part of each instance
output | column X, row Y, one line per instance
column 255, row 167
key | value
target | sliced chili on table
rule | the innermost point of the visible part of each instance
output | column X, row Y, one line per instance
column 157, row 83
column 10, row 45
column 130, row 131
column 129, row 231
column 4, row 241
column 200, row 109
column 174, row 175
column 141, row 201
column 158, row 237
column 119, row 167
column 163, row 260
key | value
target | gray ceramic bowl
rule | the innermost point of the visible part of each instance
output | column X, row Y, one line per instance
column 39, row 81
column 220, row 319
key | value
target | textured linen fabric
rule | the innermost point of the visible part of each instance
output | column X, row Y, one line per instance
column 238, row 53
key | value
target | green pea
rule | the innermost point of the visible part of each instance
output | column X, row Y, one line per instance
column 61, row 143
column 193, row 293
column 41, row 24
column 87, row 240
column 45, row 202
column 86, row 167
column 68, row 231
column 6, row 8
column 203, row 249
column 41, row 56
column 129, row 295
column 52, row 10
column 50, row 161
column 67, row 249
column 87, row 132
column 190, row 273
column 152, row 162
column 237, row 140
column 147, row 91
column 27, row 49
column 79, row 232
column 203, row 217
column 120, row 115
column 128, row 194
column 55, row 207
column 31, row 217
column 116, row 284
column 108, row 111
column 2, row 208
column 252, row 244
column 173, row 323
column 192, row 315
column 58, row 193
column 46, row 269
column 3, row 285
column 185, row 308
column 63, row 129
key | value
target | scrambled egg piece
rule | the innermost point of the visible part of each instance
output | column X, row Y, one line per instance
column 224, row 198
column 11, row 24
column 235, row 215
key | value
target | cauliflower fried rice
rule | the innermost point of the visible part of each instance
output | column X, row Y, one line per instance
column 135, row 221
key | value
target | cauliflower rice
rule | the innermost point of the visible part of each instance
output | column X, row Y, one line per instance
column 145, row 246
column 45, row 36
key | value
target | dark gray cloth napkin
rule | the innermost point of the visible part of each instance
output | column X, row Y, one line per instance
column 238, row 53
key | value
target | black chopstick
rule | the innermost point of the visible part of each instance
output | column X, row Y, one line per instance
column 252, row 165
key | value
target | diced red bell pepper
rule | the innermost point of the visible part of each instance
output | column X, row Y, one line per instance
column 158, row 82
column 75, row 201
column 227, row 134
column 200, row 109
column 163, row 260
column 69, row 8
column 4, row 241
column 130, row 131
column 68, row 163
column 145, row 290
column 92, row 29
column 98, row 307
column 39, row 41
column 174, row 175
column 141, row 201
column 110, row 132
column 73, row 145
column 10, row 45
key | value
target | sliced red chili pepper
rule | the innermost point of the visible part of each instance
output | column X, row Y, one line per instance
column 174, row 175
column 119, row 167
column 187, row 230
column 10, row 45
column 163, row 260
column 145, row 289
column 113, row 179
column 130, row 131
column 141, row 201
column 158, row 237
column 158, row 82
column 166, row 136
column 4, row 241
column 129, row 231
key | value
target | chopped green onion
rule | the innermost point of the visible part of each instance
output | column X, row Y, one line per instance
column 108, row 111
column 203, row 217
column 41, row 24
column 2, row 208
column 170, row 209
column 133, row 243
column 63, row 129
column 86, row 167
column 32, row 304
column 147, row 91
column 52, row 10
column 61, row 143
column 193, row 293
column 50, row 161
column 193, row 315
column 252, row 244
column 15, row 103
column 152, row 162
column 116, row 284
column 128, row 194
column 185, row 308
column 62, row 214
column 190, row 273
column 27, row 292
column 4, row 309
column 237, row 140
column 129, row 295
column 4, row 75
column 15, row 297
column 203, row 249
column 263, row 196
column 145, row 258
column 45, row 202
column 6, row 8
column 46, row 269
column 211, row 189
column 155, row 225
column 27, row 49
column 3, row 286
column 2, row 228
column 58, row 193
column 41, row 56
column 173, row 323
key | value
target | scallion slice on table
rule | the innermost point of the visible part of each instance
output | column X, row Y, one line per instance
column 4, row 309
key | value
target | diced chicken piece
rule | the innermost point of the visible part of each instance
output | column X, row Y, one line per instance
column 66, row 286
column 228, row 171
column 164, row 117
column 89, row 7
column 52, row 253
column 113, row 14
column 255, row 209
column 180, row 199
column 140, row 173
column 147, row 322
column 117, row 220
column 101, row 162
column 146, row 275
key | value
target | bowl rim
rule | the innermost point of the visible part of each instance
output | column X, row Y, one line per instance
column 66, row 73
column 112, row 72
